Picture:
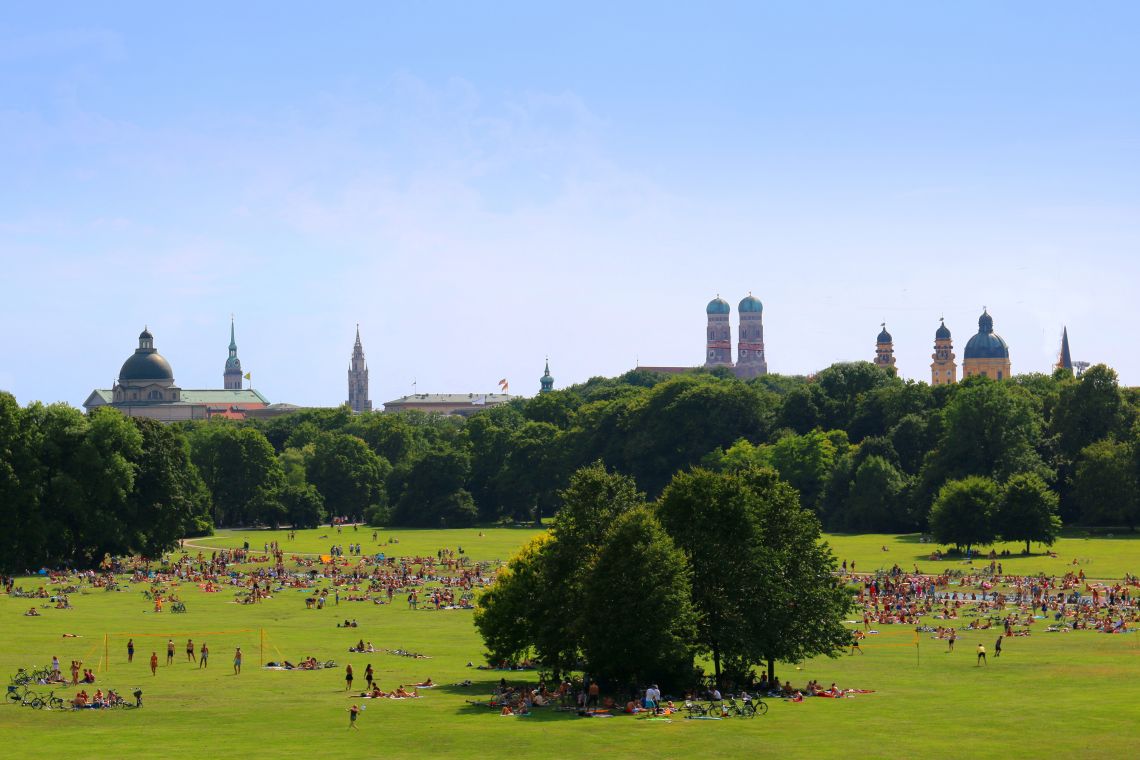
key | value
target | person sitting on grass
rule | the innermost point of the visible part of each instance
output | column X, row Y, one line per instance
column 32, row 612
column 80, row 700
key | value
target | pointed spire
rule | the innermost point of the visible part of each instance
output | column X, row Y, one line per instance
column 233, row 343
column 1065, row 361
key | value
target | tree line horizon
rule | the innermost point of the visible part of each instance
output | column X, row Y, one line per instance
column 865, row 450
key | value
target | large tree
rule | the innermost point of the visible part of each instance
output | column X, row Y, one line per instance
column 348, row 474
column 747, row 537
column 1105, row 486
column 637, row 616
column 1027, row 511
column 963, row 512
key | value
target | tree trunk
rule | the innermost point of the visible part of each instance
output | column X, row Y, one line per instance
column 1027, row 547
column 716, row 663
column 772, row 673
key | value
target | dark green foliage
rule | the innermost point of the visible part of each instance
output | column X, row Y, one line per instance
column 1027, row 511
column 637, row 617
column 963, row 513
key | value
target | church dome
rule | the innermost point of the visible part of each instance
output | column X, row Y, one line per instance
column 942, row 333
column 986, row 344
column 750, row 304
column 884, row 336
column 718, row 306
column 145, row 365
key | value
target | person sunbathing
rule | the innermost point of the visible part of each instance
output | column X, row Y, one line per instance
column 400, row 693
column 375, row 693
column 426, row 684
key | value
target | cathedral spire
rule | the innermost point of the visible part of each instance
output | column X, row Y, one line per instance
column 546, row 382
column 1065, row 360
column 358, row 399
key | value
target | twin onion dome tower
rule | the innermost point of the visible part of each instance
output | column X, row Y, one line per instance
column 987, row 353
column 750, row 360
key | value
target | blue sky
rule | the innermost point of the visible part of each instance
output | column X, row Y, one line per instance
column 481, row 185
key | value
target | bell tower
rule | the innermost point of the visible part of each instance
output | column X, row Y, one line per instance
column 718, row 342
column 885, row 348
column 943, row 370
column 231, row 378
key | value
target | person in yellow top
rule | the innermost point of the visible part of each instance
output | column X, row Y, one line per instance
column 981, row 654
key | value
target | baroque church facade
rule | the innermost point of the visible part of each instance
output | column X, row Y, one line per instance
column 986, row 354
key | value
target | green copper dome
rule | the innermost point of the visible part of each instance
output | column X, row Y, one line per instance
column 986, row 344
column 145, row 363
column 750, row 305
column 718, row 306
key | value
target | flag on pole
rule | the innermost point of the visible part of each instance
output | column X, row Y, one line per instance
column 504, row 386
column 248, row 375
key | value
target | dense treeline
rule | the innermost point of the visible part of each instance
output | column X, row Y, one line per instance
column 74, row 488
column 866, row 450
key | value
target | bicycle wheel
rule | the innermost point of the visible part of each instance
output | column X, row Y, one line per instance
column 761, row 707
column 37, row 703
column 55, row 703
column 747, row 711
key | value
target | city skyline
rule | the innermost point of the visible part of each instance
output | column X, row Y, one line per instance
column 482, row 193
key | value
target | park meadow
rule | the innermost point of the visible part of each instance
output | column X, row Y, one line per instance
column 1065, row 692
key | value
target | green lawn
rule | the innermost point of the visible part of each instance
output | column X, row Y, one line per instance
column 1052, row 693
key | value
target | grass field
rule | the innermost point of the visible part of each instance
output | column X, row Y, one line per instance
column 1053, row 693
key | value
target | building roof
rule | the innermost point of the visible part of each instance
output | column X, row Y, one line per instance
column 718, row 306
column 474, row 399
column 986, row 344
column 943, row 332
column 218, row 397
column 884, row 336
column 750, row 304
column 206, row 397
column 145, row 364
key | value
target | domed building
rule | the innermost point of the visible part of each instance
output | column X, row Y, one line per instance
column 987, row 353
column 146, row 388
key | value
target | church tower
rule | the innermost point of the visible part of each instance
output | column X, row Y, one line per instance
column 943, row 370
column 546, row 382
column 719, row 334
column 231, row 379
column 358, row 399
column 885, row 348
column 750, row 360
column 1065, row 360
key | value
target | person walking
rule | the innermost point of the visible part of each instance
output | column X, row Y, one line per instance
column 130, row 650
column 237, row 662
column 997, row 646
column 154, row 663
column 981, row 655
column 348, row 677
column 368, row 673
column 203, row 655
column 190, row 650
column 170, row 651
column 353, row 712
column 953, row 638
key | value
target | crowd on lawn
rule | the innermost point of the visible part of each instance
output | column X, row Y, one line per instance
column 993, row 599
